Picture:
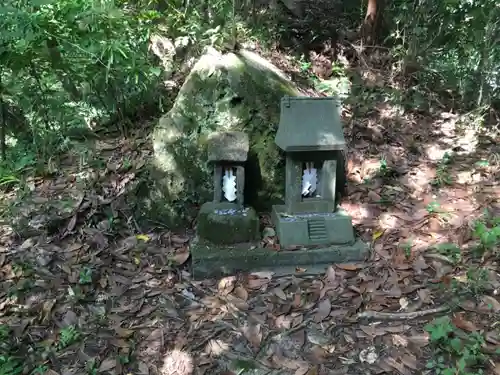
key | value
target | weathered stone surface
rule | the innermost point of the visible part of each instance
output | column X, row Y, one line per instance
column 226, row 223
column 322, row 228
column 310, row 124
column 211, row 260
column 224, row 92
column 228, row 146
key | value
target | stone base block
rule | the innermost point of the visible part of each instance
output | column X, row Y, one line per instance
column 309, row 229
column 209, row 260
column 227, row 223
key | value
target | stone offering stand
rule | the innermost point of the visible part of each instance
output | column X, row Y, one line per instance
column 312, row 231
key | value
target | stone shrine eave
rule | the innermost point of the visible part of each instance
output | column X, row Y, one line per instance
column 310, row 124
column 313, row 148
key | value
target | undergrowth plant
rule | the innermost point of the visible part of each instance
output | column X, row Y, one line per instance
column 453, row 352
column 10, row 361
column 68, row 336
column 487, row 231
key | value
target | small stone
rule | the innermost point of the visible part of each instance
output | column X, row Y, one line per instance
column 268, row 232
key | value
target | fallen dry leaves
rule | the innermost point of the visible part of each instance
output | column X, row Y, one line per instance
column 110, row 298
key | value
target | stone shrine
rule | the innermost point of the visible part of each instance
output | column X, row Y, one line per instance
column 226, row 220
column 311, row 135
column 312, row 232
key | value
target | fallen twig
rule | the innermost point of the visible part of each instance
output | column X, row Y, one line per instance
column 401, row 315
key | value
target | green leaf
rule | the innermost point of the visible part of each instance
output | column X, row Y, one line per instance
column 37, row 3
column 156, row 71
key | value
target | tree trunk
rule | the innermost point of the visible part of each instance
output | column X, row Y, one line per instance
column 370, row 28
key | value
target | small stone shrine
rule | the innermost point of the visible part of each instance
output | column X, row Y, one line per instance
column 312, row 232
column 226, row 220
column 311, row 135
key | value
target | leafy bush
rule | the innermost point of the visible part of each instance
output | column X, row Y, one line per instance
column 65, row 63
column 451, row 47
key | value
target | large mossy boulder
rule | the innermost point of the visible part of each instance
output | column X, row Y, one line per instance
column 234, row 91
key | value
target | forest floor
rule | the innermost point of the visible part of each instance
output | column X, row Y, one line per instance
column 107, row 298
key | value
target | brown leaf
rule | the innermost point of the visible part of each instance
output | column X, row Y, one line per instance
column 460, row 322
column 419, row 340
column 257, row 283
column 241, row 293
column 179, row 258
column 71, row 224
column 491, row 303
column 142, row 278
column 424, row 295
column 146, row 311
column 123, row 333
column 420, row 264
column 312, row 371
column 47, row 309
column 350, row 266
column 496, row 369
column 297, row 300
column 303, row 369
column 318, row 354
column 374, row 197
column 226, row 285
column 253, row 334
column 107, row 365
column 280, row 293
column 238, row 303
column 119, row 343
column 396, row 365
column 409, row 360
column 324, row 309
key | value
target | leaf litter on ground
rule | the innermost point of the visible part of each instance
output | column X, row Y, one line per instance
column 121, row 301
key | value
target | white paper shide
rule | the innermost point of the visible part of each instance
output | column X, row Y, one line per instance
column 229, row 185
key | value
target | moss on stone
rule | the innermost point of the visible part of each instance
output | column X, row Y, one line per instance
column 225, row 223
column 239, row 92
column 211, row 260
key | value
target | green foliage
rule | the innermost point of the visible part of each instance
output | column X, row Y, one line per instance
column 451, row 48
column 450, row 250
column 85, row 276
column 433, row 207
column 10, row 363
column 68, row 336
column 488, row 233
column 65, row 63
column 443, row 176
column 454, row 354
